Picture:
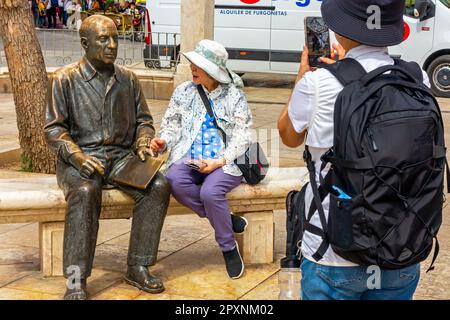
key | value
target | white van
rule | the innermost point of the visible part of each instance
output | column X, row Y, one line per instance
column 267, row 35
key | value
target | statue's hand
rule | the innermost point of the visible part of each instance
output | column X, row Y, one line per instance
column 86, row 165
column 143, row 151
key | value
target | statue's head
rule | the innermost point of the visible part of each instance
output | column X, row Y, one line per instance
column 100, row 41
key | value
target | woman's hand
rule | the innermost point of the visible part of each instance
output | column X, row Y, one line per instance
column 337, row 50
column 157, row 145
column 211, row 164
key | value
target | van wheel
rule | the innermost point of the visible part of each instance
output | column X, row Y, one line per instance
column 439, row 74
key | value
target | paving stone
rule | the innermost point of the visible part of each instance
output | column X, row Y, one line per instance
column 13, row 294
column 99, row 280
column 267, row 290
column 435, row 284
column 199, row 272
column 110, row 229
column 114, row 258
column 178, row 231
column 118, row 292
column 13, row 272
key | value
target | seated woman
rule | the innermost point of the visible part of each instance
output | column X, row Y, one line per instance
column 189, row 132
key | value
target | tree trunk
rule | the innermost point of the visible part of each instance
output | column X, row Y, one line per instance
column 29, row 82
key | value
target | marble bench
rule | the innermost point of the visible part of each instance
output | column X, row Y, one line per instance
column 38, row 199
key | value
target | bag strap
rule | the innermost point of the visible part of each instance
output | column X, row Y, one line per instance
column 317, row 200
column 207, row 104
column 379, row 71
column 412, row 67
column 435, row 255
column 346, row 71
column 440, row 152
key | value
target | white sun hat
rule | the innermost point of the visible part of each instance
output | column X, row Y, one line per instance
column 212, row 57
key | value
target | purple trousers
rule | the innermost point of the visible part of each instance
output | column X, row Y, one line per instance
column 205, row 194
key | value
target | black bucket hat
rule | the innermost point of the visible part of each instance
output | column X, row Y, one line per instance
column 349, row 18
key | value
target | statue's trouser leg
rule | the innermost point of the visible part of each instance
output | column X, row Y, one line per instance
column 84, row 200
column 148, row 218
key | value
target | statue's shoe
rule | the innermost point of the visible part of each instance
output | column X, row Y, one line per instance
column 141, row 278
column 76, row 293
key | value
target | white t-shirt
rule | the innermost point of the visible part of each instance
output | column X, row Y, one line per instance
column 312, row 108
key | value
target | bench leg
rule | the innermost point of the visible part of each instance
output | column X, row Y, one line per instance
column 51, row 236
column 256, row 243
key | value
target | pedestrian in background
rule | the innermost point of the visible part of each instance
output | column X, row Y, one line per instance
column 35, row 10
column 42, row 13
column 67, row 7
column 51, row 13
column 61, row 11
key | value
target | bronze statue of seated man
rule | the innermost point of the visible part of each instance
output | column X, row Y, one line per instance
column 96, row 117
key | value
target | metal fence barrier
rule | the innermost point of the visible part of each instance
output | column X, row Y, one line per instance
column 61, row 47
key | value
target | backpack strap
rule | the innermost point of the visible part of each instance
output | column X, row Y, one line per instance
column 318, row 196
column 448, row 175
column 346, row 71
column 411, row 67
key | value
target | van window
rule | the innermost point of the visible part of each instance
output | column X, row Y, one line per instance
column 446, row 3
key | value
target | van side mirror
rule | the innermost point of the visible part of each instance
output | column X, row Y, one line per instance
column 421, row 8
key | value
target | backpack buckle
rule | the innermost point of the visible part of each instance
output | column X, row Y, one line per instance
column 306, row 155
column 327, row 155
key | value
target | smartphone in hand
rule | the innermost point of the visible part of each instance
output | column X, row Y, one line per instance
column 194, row 164
column 317, row 40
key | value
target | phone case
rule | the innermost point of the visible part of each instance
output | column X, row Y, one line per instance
column 318, row 31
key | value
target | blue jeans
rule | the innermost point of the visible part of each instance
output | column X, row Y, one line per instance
column 357, row 283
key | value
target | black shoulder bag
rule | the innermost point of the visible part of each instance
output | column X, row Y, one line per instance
column 253, row 163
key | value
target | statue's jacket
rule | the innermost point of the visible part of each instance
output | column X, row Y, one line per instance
column 85, row 115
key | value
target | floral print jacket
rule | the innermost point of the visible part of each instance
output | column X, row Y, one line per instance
column 186, row 113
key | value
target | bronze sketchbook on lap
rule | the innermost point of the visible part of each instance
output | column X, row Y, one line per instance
column 137, row 173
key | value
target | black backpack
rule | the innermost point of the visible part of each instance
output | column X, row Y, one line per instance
column 387, row 168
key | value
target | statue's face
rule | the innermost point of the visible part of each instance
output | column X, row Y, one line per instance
column 102, row 44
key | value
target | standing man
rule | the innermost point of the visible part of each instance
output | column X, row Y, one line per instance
column 311, row 110
column 51, row 13
column 61, row 11
column 97, row 116
column 67, row 7
column 35, row 10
